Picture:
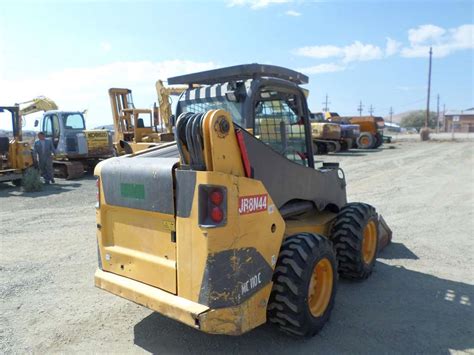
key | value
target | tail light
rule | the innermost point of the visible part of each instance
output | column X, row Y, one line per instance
column 97, row 184
column 212, row 206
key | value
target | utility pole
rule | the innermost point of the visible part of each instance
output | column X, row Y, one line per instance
column 391, row 113
column 360, row 108
column 326, row 103
column 444, row 117
column 429, row 91
column 371, row 110
column 437, row 114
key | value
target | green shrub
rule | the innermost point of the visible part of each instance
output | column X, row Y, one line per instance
column 32, row 180
column 416, row 119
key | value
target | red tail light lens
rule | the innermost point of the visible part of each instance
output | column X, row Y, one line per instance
column 217, row 215
column 217, row 197
column 212, row 206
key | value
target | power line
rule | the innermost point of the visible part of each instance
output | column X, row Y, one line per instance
column 437, row 115
column 360, row 108
column 371, row 110
column 429, row 90
column 326, row 103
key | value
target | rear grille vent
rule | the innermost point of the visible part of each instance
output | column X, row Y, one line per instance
column 71, row 144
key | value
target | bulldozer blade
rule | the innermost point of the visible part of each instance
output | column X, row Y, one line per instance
column 385, row 233
column 75, row 170
column 68, row 169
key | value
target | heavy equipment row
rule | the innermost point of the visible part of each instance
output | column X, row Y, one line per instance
column 137, row 129
column 77, row 148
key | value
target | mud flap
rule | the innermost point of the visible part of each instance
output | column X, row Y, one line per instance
column 385, row 233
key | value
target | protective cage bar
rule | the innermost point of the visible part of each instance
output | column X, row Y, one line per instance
column 239, row 72
column 278, row 126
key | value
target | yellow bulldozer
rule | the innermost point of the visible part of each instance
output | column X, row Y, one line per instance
column 138, row 129
column 233, row 224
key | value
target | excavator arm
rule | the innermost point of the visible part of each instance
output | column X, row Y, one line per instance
column 38, row 104
column 164, row 103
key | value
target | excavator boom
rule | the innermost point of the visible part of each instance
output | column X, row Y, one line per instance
column 38, row 104
column 163, row 93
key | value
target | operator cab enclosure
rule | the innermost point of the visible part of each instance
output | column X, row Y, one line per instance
column 265, row 100
column 66, row 131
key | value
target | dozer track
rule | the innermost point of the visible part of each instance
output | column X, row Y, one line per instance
column 68, row 169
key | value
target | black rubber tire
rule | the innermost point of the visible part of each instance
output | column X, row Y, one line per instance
column 369, row 145
column 333, row 147
column 319, row 148
column 347, row 236
column 344, row 145
column 378, row 140
column 316, row 149
column 288, row 306
column 17, row 182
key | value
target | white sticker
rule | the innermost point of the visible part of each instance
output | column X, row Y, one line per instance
column 107, row 257
column 271, row 209
column 250, row 284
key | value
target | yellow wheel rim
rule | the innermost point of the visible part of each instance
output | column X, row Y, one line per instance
column 369, row 243
column 320, row 287
column 364, row 140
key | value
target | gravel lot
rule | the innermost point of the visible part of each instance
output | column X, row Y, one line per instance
column 419, row 299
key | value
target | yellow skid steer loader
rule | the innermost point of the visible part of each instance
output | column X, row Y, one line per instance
column 232, row 225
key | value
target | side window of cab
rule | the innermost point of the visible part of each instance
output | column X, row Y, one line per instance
column 278, row 123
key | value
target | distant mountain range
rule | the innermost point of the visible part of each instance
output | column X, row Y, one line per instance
column 26, row 133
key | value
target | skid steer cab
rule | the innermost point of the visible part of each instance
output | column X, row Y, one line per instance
column 232, row 225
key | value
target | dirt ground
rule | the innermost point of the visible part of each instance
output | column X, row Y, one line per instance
column 419, row 299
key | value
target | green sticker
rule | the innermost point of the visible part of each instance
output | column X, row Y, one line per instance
column 132, row 191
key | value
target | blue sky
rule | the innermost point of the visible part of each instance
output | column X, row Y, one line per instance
column 374, row 51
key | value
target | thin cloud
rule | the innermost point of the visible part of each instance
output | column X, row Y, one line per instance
column 256, row 4
column 425, row 33
column 443, row 41
column 357, row 51
column 293, row 13
column 323, row 68
column 86, row 87
column 392, row 47
column 105, row 46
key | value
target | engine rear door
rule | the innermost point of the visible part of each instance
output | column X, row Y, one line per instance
column 137, row 232
column 98, row 142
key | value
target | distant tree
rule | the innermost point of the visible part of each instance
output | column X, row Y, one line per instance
column 416, row 119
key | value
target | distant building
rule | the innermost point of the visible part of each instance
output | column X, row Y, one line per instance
column 392, row 127
column 463, row 120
